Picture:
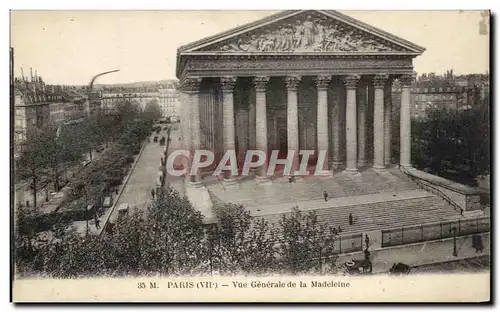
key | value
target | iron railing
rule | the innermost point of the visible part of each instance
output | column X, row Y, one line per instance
column 434, row 231
column 431, row 188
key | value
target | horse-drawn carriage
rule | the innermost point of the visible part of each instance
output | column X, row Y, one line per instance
column 357, row 267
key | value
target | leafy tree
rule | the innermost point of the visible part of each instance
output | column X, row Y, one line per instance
column 244, row 243
column 33, row 160
column 453, row 144
column 306, row 244
column 177, row 235
column 62, row 153
column 152, row 111
column 126, row 111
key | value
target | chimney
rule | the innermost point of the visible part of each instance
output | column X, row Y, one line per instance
column 42, row 84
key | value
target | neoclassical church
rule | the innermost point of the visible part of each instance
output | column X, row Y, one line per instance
column 299, row 80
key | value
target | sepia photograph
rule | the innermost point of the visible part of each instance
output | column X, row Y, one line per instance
column 250, row 156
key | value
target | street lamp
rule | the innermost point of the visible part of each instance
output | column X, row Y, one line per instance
column 454, row 230
column 91, row 84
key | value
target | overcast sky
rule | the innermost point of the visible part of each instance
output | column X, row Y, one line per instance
column 69, row 47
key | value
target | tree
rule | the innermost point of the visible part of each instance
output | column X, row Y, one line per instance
column 178, row 240
column 306, row 244
column 63, row 152
column 152, row 111
column 126, row 111
column 453, row 143
column 33, row 160
column 244, row 243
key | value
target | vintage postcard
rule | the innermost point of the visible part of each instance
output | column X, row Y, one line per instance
column 250, row 156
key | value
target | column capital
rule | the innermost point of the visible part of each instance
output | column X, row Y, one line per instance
column 292, row 82
column 380, row 80
column 351, row 81
column 406, row 80
column 260, row 83
column 190, row 84
column 228, row 83
column 322, row 81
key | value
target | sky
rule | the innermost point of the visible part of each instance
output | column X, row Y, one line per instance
column 69, row 47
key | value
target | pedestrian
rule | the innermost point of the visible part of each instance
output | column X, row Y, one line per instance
column 350, row 219
column 461, row 212
column 334, row 230
column 367, row 241
column 367, row 254
column 97, row 226
column 153, row 193
column 340, row 229
column 325, row 195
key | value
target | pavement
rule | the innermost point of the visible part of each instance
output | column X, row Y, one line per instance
column 136, row 190
column 23, row 193
column 419, row 254
column 477, row 264
column 177, row 183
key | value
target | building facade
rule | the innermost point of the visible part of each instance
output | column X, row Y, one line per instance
column 37, row 104
column 298, row 80
column 429, row 91
column 168, row 100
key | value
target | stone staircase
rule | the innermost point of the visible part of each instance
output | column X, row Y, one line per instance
column 249, row 193
column 381, row 215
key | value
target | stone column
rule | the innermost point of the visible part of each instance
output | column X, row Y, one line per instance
column 378, row 122
column 322, row 83
column 190, row 87
column 388, row 122
column 292, row 85
column 405, row 123
column 362, row 126
column 260, row 84
column 351, row 124
column 251, row 125
column 228, row 130
column 336, row 126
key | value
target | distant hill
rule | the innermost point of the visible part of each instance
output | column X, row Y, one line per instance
column 137, row 84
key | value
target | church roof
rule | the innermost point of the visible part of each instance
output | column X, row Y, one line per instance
column 342, row 34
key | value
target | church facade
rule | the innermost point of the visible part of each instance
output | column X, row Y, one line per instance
column 299, row 80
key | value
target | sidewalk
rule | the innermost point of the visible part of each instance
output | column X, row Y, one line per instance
column 421, row 253
column 23, row 194
column 137, row 191
column 177, row 183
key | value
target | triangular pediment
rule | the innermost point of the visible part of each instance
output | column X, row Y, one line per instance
column 304, row 32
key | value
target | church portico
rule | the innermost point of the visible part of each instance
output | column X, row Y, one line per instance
column 300, row 80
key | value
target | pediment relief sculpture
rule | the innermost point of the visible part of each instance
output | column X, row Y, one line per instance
column 309, row 34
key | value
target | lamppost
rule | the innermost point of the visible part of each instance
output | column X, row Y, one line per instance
column 454, row 230
column 91, row 84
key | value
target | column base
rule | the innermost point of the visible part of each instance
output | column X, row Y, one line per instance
column 379, row 168
column 295, row 178
column 230, row 182
column 362, row 163
column 262, row 180
column 327, row 174
column 336, row 165
column 407, row 166
column 351, row 171
column 196, row 184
